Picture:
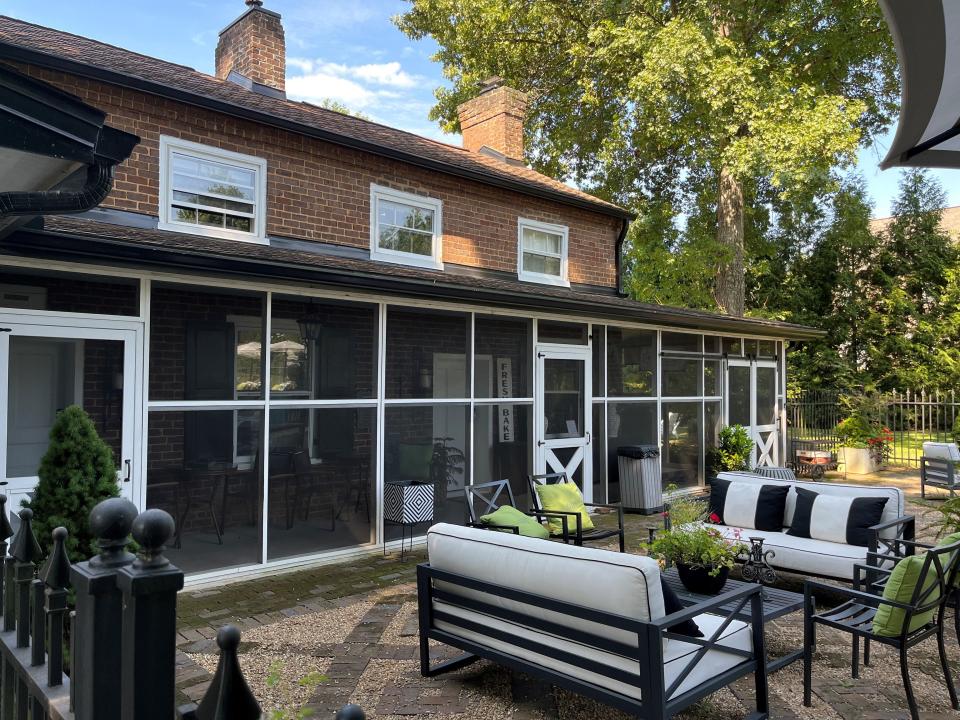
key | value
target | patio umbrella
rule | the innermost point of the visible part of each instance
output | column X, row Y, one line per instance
column 288, row 346
column 249, row 349
column 927, row 37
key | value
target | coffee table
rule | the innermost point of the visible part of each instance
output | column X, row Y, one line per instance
column 776, row 604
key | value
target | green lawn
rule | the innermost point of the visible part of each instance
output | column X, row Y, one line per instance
column 907, row 446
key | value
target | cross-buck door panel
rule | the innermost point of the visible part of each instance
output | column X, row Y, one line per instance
column 752, row 403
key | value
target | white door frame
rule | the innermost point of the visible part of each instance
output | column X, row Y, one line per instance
column 766, row 446
column 74, row 328
column 583, row 455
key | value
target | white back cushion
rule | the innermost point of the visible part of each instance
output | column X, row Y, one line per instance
column 619, row 583
column 941, row 451
column 892, row 510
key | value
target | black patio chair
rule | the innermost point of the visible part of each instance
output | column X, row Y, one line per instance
column 855, row 616
column 494, row 495
column 579, row 535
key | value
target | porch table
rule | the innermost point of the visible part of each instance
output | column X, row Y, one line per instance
column 776, row 604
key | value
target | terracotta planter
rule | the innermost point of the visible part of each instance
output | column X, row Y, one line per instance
column 699, row 580
column 858, row 461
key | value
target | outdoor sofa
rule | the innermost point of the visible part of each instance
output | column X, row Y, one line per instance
column 589, row 620
column 819, row 557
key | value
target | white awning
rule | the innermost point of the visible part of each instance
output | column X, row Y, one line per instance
column 927, row 37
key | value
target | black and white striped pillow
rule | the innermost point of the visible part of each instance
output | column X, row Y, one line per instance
column 836, row 518
column 748, row 505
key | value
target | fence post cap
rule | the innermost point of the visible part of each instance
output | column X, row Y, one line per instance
column 25, row 546
column 111, row 521
column 56, row 571
column 228, row 696
column 350, row 712
column 152, row 530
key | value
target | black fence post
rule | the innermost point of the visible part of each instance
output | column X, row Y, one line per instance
column 228, row 697
column 25, row 551
column 7, row 671
column 96, row 632
column 149, row 586
column 56, row 578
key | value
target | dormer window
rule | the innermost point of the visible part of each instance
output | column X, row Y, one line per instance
column 542, row 252
column 405, row 228
column 208, row 191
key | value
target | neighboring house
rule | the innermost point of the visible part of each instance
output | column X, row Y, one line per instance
column 949, row 223
column 280, row 309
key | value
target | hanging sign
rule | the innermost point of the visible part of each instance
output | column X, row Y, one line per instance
column 505, row 390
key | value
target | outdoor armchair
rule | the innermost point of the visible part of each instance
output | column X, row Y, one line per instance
column 580, row 536
column 486, row 498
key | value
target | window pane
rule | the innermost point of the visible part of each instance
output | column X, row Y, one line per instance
column 502, row 446
column 711, row 377
column 428, row 444
column 682, row 443
column 69, row 292
column 205, row 345
column 738, row 395
column 321, row 488
column 337, row 362
column 405, row 216
column 680, row 342
column 733, row 346
column 563, row 398
column 534, row 263
column 766, row 396
column 539, row 241
column 630, row 423
column 767, row 348
column 631, row 362
column 427, row 354
column 711, row 344
column 562, row 333
column 599, row 360
column 713, row 424
column 503, row 365
column 204, row 468
column 599, row 449
column 681, row 378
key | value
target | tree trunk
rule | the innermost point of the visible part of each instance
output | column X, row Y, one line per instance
column 729, row 285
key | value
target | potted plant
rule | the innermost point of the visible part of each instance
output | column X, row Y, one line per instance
column 446, row 462
column 732, row 451
column 702, row 555
column 864, row 444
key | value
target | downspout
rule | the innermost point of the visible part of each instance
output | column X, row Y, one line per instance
column 58, row 202
column 619, row 255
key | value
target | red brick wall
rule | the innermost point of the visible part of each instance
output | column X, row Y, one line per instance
column 254, row 46
column 320, row 191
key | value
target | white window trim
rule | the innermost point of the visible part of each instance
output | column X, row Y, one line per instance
column 433, row 261
column 542, row 278
column 170, row 144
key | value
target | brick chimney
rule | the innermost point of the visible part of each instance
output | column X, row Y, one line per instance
column 494, row 119
column 253, row 46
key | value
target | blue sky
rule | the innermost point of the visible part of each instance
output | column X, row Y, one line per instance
column 347, row 50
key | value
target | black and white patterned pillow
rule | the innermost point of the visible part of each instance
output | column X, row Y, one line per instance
column 835, row 518
column 748, row 505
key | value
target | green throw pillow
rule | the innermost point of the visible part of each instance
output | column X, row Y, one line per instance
column 564, row 497
column 511, row 517
column 903, row 581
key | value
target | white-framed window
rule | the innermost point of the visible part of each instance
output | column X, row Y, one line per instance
column 208, row 191
column 542, row 252
column 405, row 228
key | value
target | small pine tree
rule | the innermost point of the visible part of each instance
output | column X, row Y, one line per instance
column 76, row 473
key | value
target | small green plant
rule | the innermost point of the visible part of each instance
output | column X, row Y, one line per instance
column 733, row 450
column 77, row 472
column 946, row 515
column 275, row 678
column 446, row 462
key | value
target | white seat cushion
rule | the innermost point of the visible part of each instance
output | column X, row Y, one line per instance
column 619, row 583
column 677, row 653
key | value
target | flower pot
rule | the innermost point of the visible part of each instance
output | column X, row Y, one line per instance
column 858, row 461
column 699, row 580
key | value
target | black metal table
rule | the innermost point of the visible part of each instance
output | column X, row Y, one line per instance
column 776, row 604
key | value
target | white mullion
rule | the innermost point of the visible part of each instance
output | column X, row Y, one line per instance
column 162, row 405
column 265, row 428
column 377, row 510
column 143, row 387
column 500, row 401
column 470, row 424
column 659, row 399
column 427, row 401
column 4, row 399
column 338, row 403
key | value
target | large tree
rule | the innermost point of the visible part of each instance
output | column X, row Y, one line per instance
column 691, row 108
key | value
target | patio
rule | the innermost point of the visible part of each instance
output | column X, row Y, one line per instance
column 356, row 624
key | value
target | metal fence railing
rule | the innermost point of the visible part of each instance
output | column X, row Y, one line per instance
column 913, row 417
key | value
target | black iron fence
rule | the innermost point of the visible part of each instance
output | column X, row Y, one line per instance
column 912, row 417
column 121, row 635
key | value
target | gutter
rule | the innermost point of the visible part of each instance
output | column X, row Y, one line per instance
column 618, row 256
column 58, row 202
column 17, row 53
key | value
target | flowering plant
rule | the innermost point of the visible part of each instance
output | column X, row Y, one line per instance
column 881, row 445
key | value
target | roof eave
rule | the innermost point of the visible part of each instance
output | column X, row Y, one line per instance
column 17, row 53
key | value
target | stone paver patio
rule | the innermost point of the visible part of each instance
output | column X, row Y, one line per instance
column 356, row 624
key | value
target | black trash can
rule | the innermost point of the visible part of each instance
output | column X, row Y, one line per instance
column 641, row 488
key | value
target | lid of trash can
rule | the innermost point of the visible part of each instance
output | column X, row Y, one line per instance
column 638, row 452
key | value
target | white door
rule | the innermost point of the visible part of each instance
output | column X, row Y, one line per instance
column 563, row 417
column 45, row 368
column 752, row 402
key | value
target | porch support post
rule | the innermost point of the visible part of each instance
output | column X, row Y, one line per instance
column 96, row 660
column 149, row 586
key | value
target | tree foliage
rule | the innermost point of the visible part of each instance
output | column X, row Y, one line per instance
column 76, row 473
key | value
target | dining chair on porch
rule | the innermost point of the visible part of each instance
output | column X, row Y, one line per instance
column 578, row 534
column 491, row 496
column 908, row 623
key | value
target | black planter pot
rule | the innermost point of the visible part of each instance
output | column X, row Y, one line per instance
column 699, row 580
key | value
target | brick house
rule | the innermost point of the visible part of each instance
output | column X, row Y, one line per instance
column 278, row 310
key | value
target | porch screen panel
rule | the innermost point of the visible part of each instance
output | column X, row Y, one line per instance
column 682, row 449
column 503, row 446
column 712, row 425
column 628, row 423
column 427, row 354
column 503, row 357
column 631, row 362
column 63, row 292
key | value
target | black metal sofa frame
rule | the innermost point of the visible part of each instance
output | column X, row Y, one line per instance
column 657, row 701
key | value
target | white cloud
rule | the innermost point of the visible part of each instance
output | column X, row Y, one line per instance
column 319, row 86
column 357, row 86
column 389, row 73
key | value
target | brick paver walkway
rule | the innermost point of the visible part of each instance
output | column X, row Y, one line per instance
column 368, row 650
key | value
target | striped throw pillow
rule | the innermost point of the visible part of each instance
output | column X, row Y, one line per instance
column 836, row 518
column 748, row 505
